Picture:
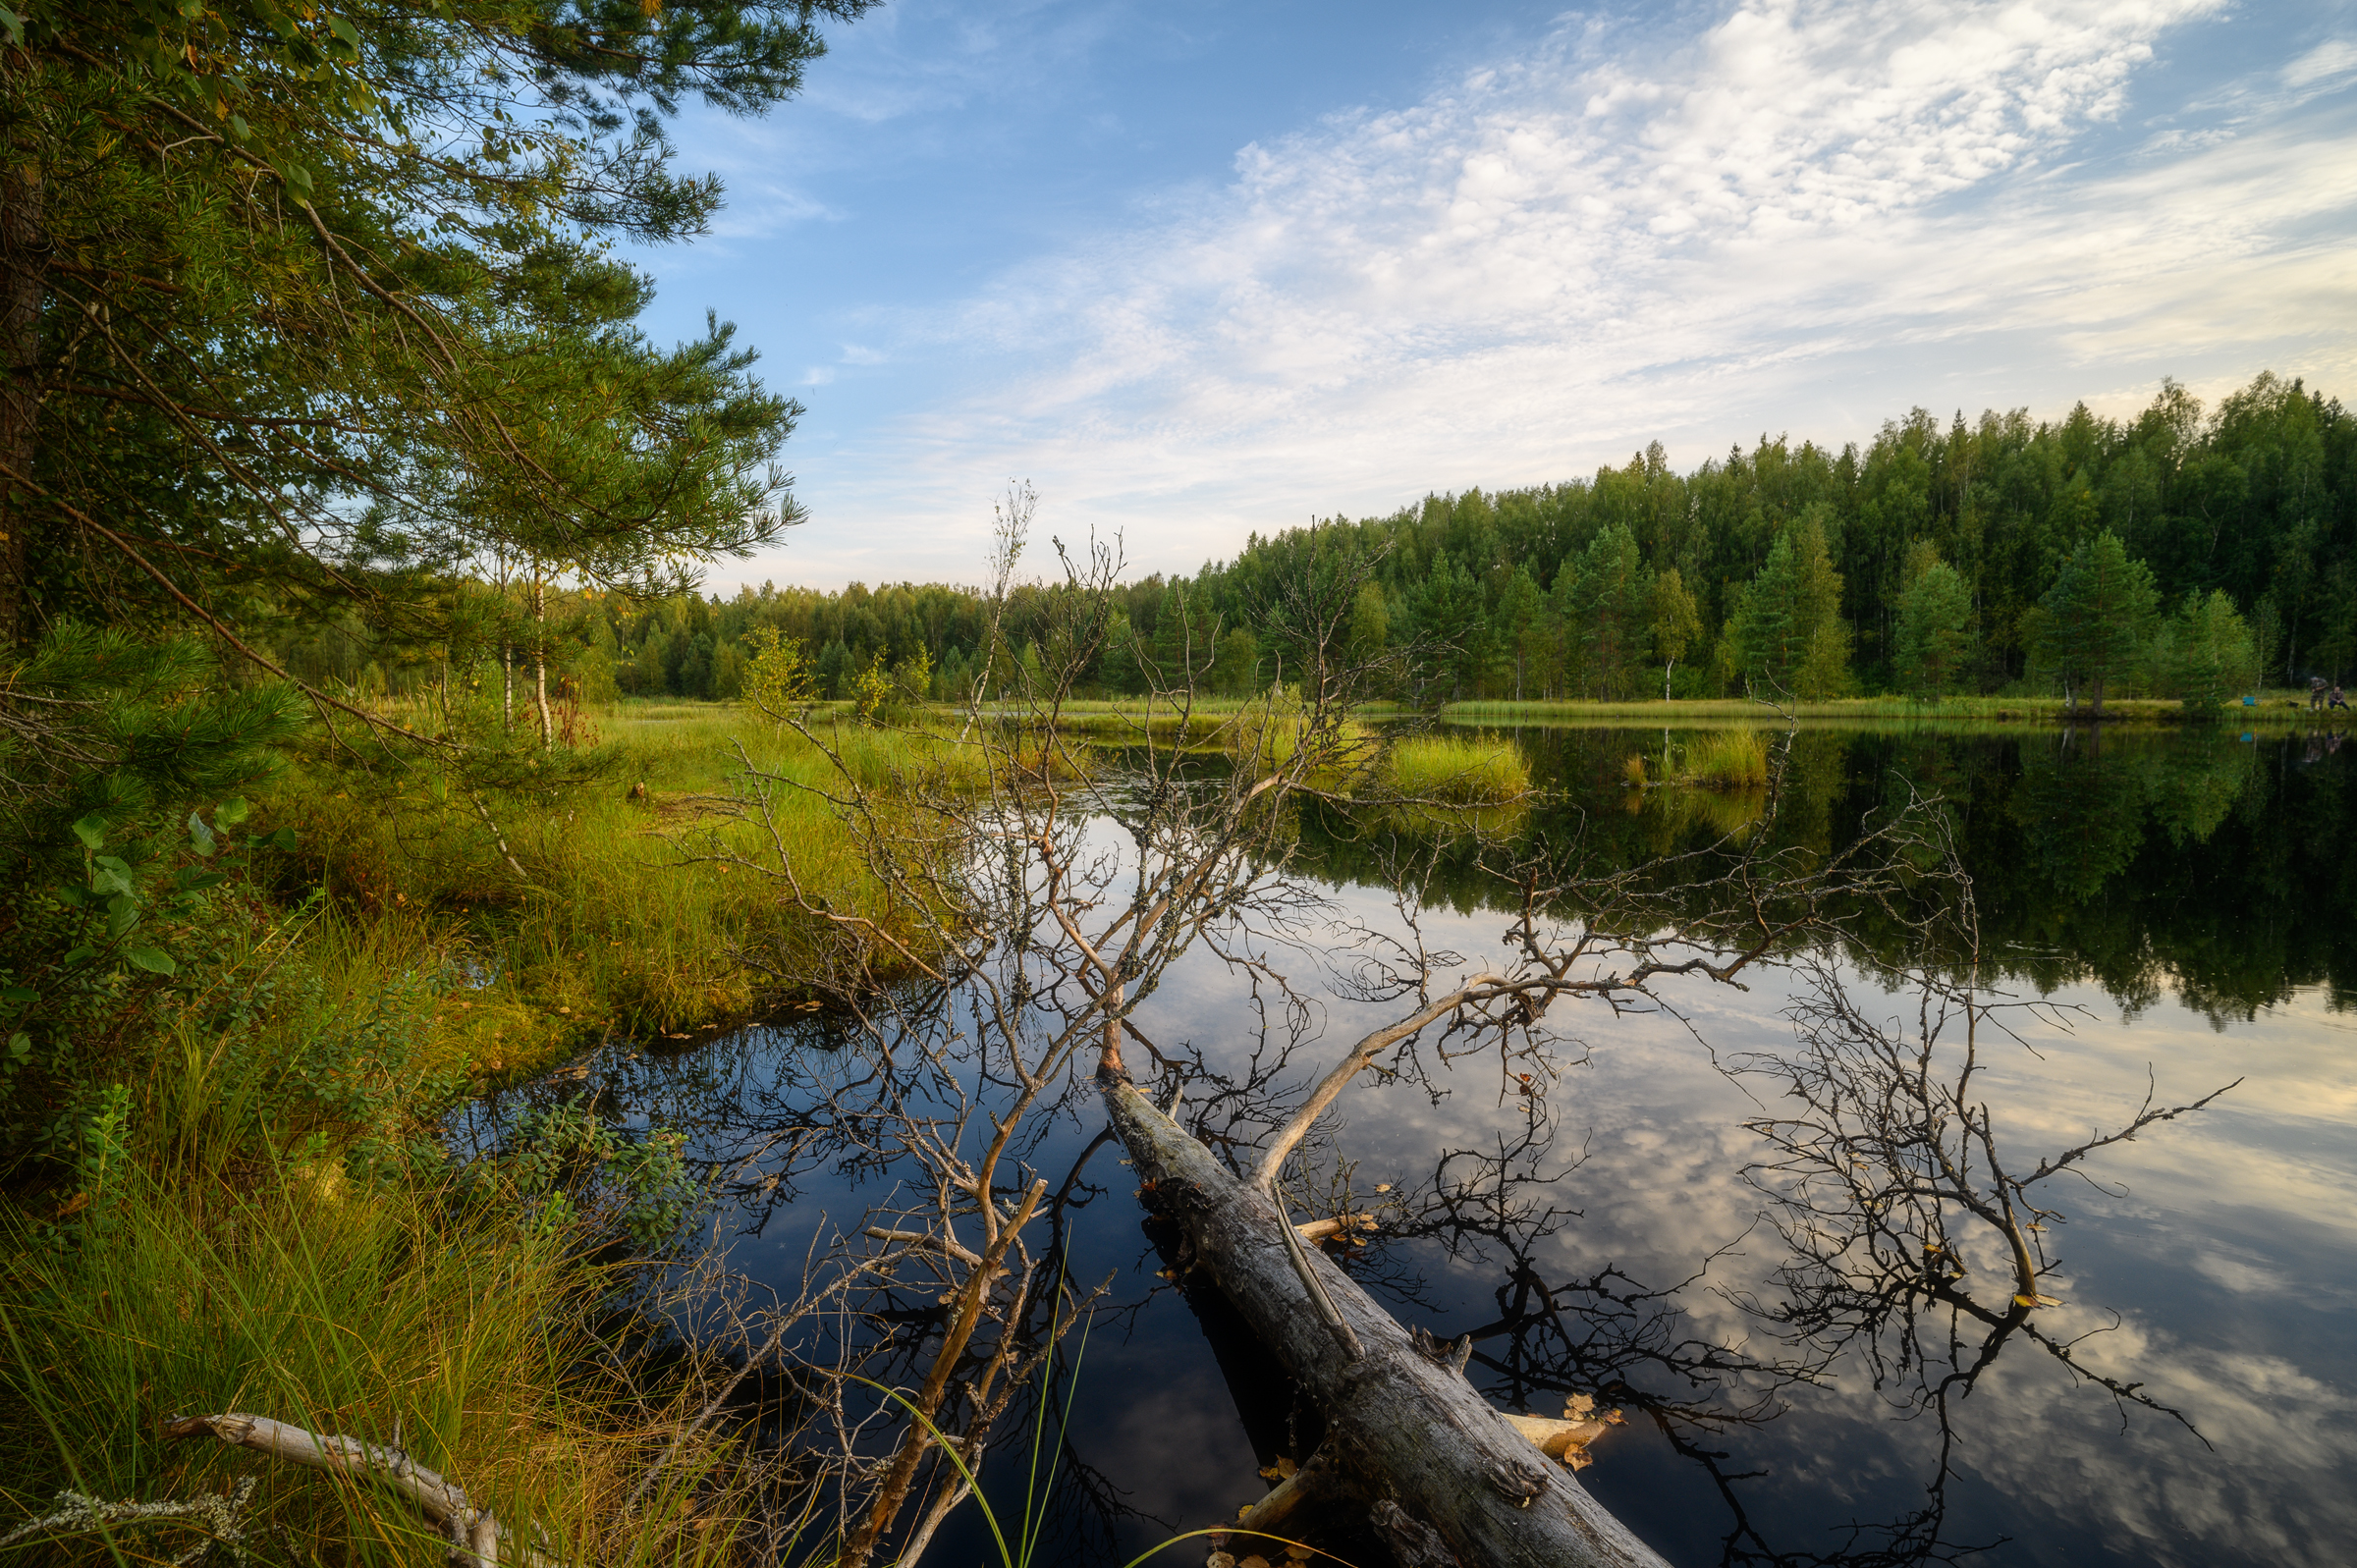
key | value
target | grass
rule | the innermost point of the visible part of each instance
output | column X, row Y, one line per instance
column 616, row 916
column 222, row 1258
column 1457, row 770
column 1726, row 759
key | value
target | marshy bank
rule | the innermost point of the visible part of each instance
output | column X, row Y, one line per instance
column 274, row 1213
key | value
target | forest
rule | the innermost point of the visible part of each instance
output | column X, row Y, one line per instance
column 1928, row 563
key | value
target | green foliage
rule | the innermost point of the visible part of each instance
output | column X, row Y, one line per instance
column 574, row 1175
column 129, row 887
column 1934, row 648
column 1676, row 622
column 778, row 680
column 363, row 328
column 2206, row 655
column 2091, row 627
column 1451, row 633
column 1608, row 615
column 1787, row 632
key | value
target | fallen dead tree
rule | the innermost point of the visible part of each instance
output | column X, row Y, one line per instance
column 1408, row 1439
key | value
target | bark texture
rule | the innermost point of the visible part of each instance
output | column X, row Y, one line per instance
column 1403, row 1428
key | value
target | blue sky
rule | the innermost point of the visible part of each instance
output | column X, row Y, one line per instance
column 1196, row 271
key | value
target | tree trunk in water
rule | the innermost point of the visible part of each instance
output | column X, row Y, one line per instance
column 23, row 245
column 1404, row 1430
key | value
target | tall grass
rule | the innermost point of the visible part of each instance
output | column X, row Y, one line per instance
column 1727, row 759
column 621, row 912
column 221, row 1257
column 2274, row 706
column 1457, row 770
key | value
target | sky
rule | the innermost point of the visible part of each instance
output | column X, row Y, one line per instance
column 1195, row 272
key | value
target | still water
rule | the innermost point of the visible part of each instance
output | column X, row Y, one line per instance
column 2187, row 904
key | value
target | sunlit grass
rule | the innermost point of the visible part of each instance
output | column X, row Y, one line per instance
column 621, row 912
column 1457, row 770
column 1726, row 759
column 222, row 1260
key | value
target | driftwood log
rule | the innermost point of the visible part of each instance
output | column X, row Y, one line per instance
column 478, row 1540
column 1433, row 1465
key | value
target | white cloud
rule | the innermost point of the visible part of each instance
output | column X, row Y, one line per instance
column 2336, row 57
column 1624, row 236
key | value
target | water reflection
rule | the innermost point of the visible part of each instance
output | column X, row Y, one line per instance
column 2193, row 858
column 1798, row 1392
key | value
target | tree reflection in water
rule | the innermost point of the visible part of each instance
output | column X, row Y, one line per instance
column 1910, row 1231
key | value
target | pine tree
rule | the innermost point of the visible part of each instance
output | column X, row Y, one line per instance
column 2208, row 655
column 1934, row 636
column 1613, row 610
column 1787, row 632
column 2092, row 623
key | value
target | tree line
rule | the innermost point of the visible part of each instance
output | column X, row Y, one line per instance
column 2186, row 553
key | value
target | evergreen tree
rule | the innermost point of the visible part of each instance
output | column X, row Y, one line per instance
column 1934, row 642
column 2091, row 627
column 1788, row 633
column 1613, row 610
column 2208, row 655
column 1523, row 623
column 1453, row 631
column 1185, row 640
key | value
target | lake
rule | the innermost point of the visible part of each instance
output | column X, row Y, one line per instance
column 2183, row 902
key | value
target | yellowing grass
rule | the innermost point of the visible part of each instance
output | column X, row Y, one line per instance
column 1727, row 759
column 1457, row 770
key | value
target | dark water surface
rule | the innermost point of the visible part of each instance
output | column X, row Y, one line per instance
column 2189, row 897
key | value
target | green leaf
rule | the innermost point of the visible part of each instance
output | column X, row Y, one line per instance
column 154, row 960
column 19, row 995
column 346, row 32
column 91, row 830
column 232, row 811
column 282, row 841
column 81, row 954
column 20, row 1047
column 122, row 913
column 14, row 26
column 200, row 837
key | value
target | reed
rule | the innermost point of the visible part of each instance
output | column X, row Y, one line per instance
column 1457, row 770
column 1727, row 759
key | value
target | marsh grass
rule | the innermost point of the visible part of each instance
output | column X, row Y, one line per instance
column 1726, row 759
column 217, row 1265
column 626, row 917
column 1457, row 770
column 1849, row 713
